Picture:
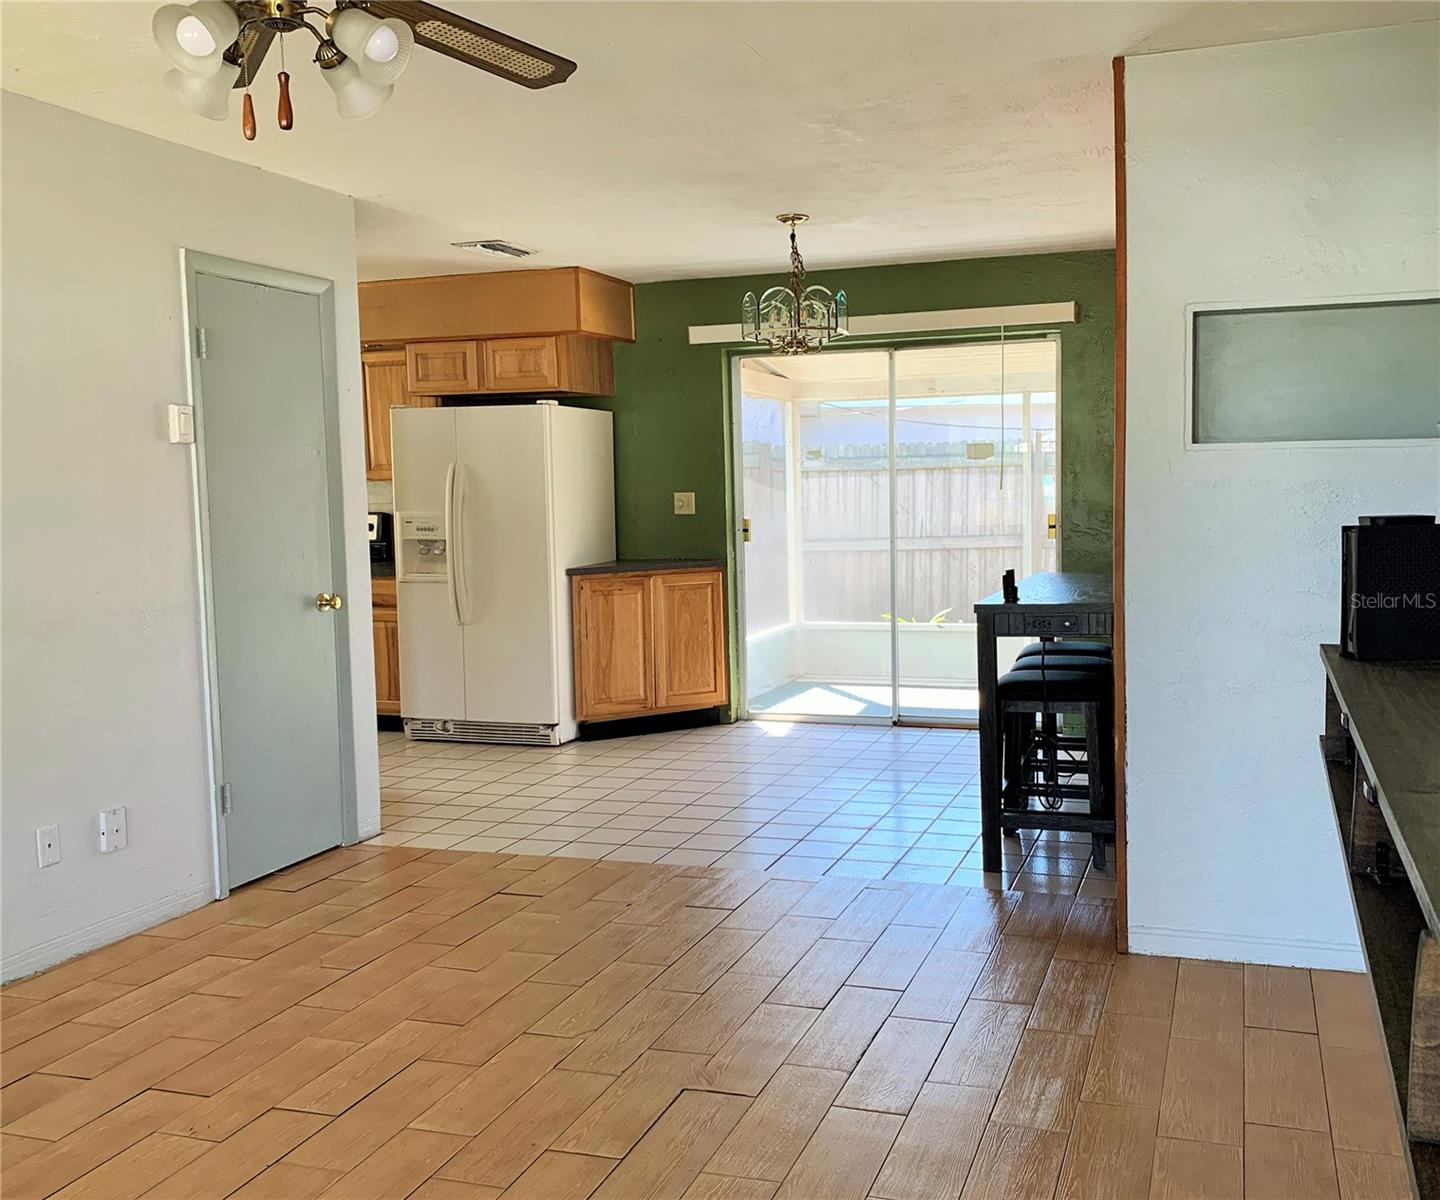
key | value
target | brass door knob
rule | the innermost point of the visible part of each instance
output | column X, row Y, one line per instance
column 329, row 600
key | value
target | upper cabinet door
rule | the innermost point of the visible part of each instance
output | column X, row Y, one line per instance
column 384, row 375
column 689, row 634
column 522, row 365
column 443, row 368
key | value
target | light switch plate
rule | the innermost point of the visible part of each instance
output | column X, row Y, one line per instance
column 180, row 420
column 684, row 504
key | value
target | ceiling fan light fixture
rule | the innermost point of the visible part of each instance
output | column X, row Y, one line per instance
column 355, row 96
column 379, row 49
column 209, row 96
column 194, row 37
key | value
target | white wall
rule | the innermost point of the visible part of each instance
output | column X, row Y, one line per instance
column 103, row 693
column 1282, row 171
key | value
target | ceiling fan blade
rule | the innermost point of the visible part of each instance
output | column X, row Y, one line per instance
column 249, row 51
column 476, row 45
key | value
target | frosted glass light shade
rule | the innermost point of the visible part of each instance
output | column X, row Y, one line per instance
column 193, row 38
column 210, row 97
column 355, row 96
column 379, row 49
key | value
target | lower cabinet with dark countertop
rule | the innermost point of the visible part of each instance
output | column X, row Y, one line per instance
column 385, row 623
column 649, row 638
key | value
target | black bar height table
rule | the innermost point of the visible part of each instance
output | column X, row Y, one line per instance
column 1053, row 604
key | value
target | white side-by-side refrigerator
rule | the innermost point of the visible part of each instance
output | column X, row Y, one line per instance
column 492, row 504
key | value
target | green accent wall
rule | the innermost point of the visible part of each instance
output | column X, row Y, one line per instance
column 671, row 403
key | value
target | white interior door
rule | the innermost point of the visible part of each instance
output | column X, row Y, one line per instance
column 261, row 405
column 502, row 531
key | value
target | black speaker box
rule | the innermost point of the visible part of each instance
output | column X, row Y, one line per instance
column 1390, row 589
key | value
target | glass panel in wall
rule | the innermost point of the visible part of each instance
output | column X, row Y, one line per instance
column 1344, row 372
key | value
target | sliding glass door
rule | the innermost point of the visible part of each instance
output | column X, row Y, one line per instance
column 815, row 474
column 974, row 491
column 885, row 491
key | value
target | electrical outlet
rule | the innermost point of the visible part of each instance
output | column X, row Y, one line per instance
column 47, row 845
column 684, row 504
column 114, row 830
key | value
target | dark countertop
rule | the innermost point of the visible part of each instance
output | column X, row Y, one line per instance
column 625, row 566
column 1394, row 713
column 1074, row 591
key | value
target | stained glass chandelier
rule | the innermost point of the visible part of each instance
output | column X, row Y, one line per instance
column 794, row 319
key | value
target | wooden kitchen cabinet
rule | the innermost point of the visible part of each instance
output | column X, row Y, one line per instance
column 443, row 368
column 689, row 624
column 649, row 642
column 614, row 646
column 384, row 376
column 386, row 628
column 497, row 304
column 582, row 366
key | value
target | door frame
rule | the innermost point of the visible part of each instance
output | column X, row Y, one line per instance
column 735, row 398
column 192, row 265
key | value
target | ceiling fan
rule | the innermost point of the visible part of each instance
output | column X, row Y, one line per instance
column 362, row 47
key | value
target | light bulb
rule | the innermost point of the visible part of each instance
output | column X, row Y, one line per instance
column 194, row 38
column 380, row 50
column 383, row 45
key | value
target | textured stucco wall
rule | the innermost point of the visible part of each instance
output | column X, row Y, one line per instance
column 1287, row 171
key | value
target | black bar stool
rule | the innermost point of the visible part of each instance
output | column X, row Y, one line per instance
column 1049, row 683
column 1084, row 648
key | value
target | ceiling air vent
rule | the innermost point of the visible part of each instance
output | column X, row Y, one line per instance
column 496, row 247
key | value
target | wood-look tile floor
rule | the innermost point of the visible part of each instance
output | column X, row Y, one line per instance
column 386, row 1022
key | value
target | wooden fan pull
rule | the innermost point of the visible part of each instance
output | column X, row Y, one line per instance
column 287, row 113
column 247, row 114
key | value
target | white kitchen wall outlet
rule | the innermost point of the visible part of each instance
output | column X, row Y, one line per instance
column 684, row 504
column 114, row 830
column 47, row 845
column 180, row 419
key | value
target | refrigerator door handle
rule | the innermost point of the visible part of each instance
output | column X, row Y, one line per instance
column 451, row 545
column 460, row 556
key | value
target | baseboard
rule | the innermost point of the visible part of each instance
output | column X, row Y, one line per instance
column 1230, row 947
column 102, row 933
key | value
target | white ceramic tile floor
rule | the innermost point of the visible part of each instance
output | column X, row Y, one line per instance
column 801, row 798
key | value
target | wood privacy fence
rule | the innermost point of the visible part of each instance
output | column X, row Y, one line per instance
column 958, row 530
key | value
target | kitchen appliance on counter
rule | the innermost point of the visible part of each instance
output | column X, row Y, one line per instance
column 382, row 537
column 492, row 504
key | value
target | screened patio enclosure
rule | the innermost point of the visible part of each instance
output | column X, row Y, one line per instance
column 885, row 492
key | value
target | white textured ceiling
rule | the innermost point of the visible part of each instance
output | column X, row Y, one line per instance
column 911, row 131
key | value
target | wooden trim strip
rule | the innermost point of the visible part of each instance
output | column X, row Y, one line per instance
column 938, row 320
column 1122, row 900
